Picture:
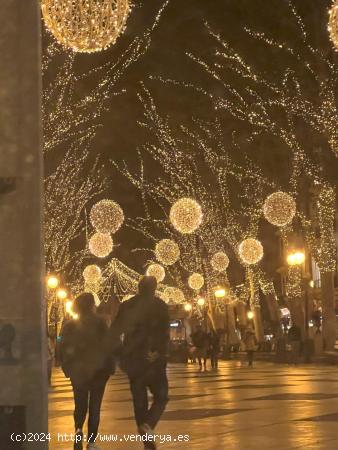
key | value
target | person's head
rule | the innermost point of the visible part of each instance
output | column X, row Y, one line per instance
column 147, row 286
column 84, row 304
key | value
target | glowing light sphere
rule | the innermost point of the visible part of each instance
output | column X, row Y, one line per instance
column 100, row 245
column 250, row 251
column 250, row 315
column 188, row 307
column 196, row 281
column 167, row 252
column 157, row 271
column 173, row 295
column 279, row 208
column 92, row 274
column 85, row 25
column 220, row 262
column 61, row 294
column 333, row 24
column 201, row 302
column 186, row 215
column 52, row 282
column 106, row 216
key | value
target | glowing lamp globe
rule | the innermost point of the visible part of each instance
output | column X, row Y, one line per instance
column 201, row 302
column 92, row 274
column 106, row 216
column 173, row 295
column 100, row 245
column 186, row 215
column 167, row 252
column 85, row 25
column 196, row 281
column 61, row 294
column 250, row 315
column 52, row 282
column 188, row 307
column 250, row 251
column 333, row 24
column 220, row 262
column 157, row 271
column 279, row 209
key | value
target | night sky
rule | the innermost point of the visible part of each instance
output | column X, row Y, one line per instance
column 182, row 30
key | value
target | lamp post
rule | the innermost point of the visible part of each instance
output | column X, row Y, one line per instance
column 297, row 258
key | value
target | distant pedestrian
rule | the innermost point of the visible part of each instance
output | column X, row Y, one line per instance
column 140, row 336
column 87, row 361
column 200, row 339
column 50, row 357
column 295, row 339
column 250, row 343
column 214, row 341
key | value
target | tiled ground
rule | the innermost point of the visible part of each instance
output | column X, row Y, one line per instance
column 267, row 407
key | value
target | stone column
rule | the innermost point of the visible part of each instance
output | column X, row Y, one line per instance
column 23, row 379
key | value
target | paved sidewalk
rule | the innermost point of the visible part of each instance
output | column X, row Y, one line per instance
column 236, row 408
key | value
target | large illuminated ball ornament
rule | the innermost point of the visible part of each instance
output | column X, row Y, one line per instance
column 85, row 25
column 92, row 273
column 279, row 209
column 220, row 262
column 106, row 216
column 100, row 245
column 157, row 271
column 186, row 215
column 196, row 281
column 167, row 252
column 333, row 24
column 173, row 295
column 250, row 251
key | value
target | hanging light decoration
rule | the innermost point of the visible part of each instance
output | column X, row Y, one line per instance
column 196, row 281
column 157, row 271
column 92, row 274
column 250, row 251
column 85, row 25
column 106, row 216
column 173, row 295
column 220, row 262
column 186, row 215
column 333, row 23
column 100, row 245
column 167, row 252
column 279, row 209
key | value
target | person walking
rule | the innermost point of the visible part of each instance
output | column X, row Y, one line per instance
column 250, row 344
column 214, row 348
column 200, row 340
column 140, row 337
column 86, row 359
column 295, row 339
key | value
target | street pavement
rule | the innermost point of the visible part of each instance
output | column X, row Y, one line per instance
column 269, row 406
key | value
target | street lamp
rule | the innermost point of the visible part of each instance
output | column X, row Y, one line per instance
column 61, row 294
column 297, row 258
column 220, row 293
column 201, row 302
column 250, row 315
column 188, row 307
column 52, row 282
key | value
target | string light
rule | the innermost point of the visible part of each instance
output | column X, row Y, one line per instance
column 92, row 273
column 174, row 295
column 106, row 216
column 157, row 271
column 220, row 261
column 250, row 251
column 333, row 23
column 186, row 215
column 279, row 208
column 167, row 252
column 100, row 245
column 85, row 25
column 196, row 281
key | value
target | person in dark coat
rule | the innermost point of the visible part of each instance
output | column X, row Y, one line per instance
column 140, row 336
column 295, row 340
column 214, row 348
column 86, row 359
column 200, row 340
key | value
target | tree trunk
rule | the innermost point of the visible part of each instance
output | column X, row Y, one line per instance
column 328, row 310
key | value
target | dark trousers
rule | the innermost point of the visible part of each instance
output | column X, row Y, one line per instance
column 214, row 358
column 250, row 354
column 88, row 398
column 154, row 379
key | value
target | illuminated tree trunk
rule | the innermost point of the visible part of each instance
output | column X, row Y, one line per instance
column 328, row 310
